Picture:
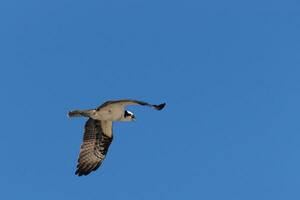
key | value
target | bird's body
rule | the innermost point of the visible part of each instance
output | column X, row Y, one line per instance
column 98, row 131
column 112, row 112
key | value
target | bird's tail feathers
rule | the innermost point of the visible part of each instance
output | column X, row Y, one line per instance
column 75, row 113
column 80, row 113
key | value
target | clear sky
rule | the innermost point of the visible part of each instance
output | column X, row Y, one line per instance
column 228, row 71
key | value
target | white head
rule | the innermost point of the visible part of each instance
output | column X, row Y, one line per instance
column 128, row 116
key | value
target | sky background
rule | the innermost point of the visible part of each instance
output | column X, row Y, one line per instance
column 228, row 71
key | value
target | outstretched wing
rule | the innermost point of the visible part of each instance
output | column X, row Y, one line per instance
column 126, row 102
column 96, row 140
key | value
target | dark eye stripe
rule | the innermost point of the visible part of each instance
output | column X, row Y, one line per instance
column 126, row 114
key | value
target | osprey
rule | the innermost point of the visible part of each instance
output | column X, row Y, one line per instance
column 98, row 131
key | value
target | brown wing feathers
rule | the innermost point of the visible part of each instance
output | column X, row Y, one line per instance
column 94, row 147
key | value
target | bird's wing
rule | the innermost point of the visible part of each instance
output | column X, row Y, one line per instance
column 96, row 140
column 127, row 102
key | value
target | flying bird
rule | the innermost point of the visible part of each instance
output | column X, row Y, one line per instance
column 98, row 133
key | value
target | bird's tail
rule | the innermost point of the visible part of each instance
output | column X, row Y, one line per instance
column 80, row 113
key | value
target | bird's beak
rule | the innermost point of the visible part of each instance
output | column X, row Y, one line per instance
column 133, row 118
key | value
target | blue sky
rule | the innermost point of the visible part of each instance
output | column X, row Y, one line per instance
column 228, row 71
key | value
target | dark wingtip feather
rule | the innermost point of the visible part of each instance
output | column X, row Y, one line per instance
column 86, row 170
column 160, row 106
column 80, row 173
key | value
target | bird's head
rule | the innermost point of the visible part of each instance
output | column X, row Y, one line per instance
column 128, row 116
